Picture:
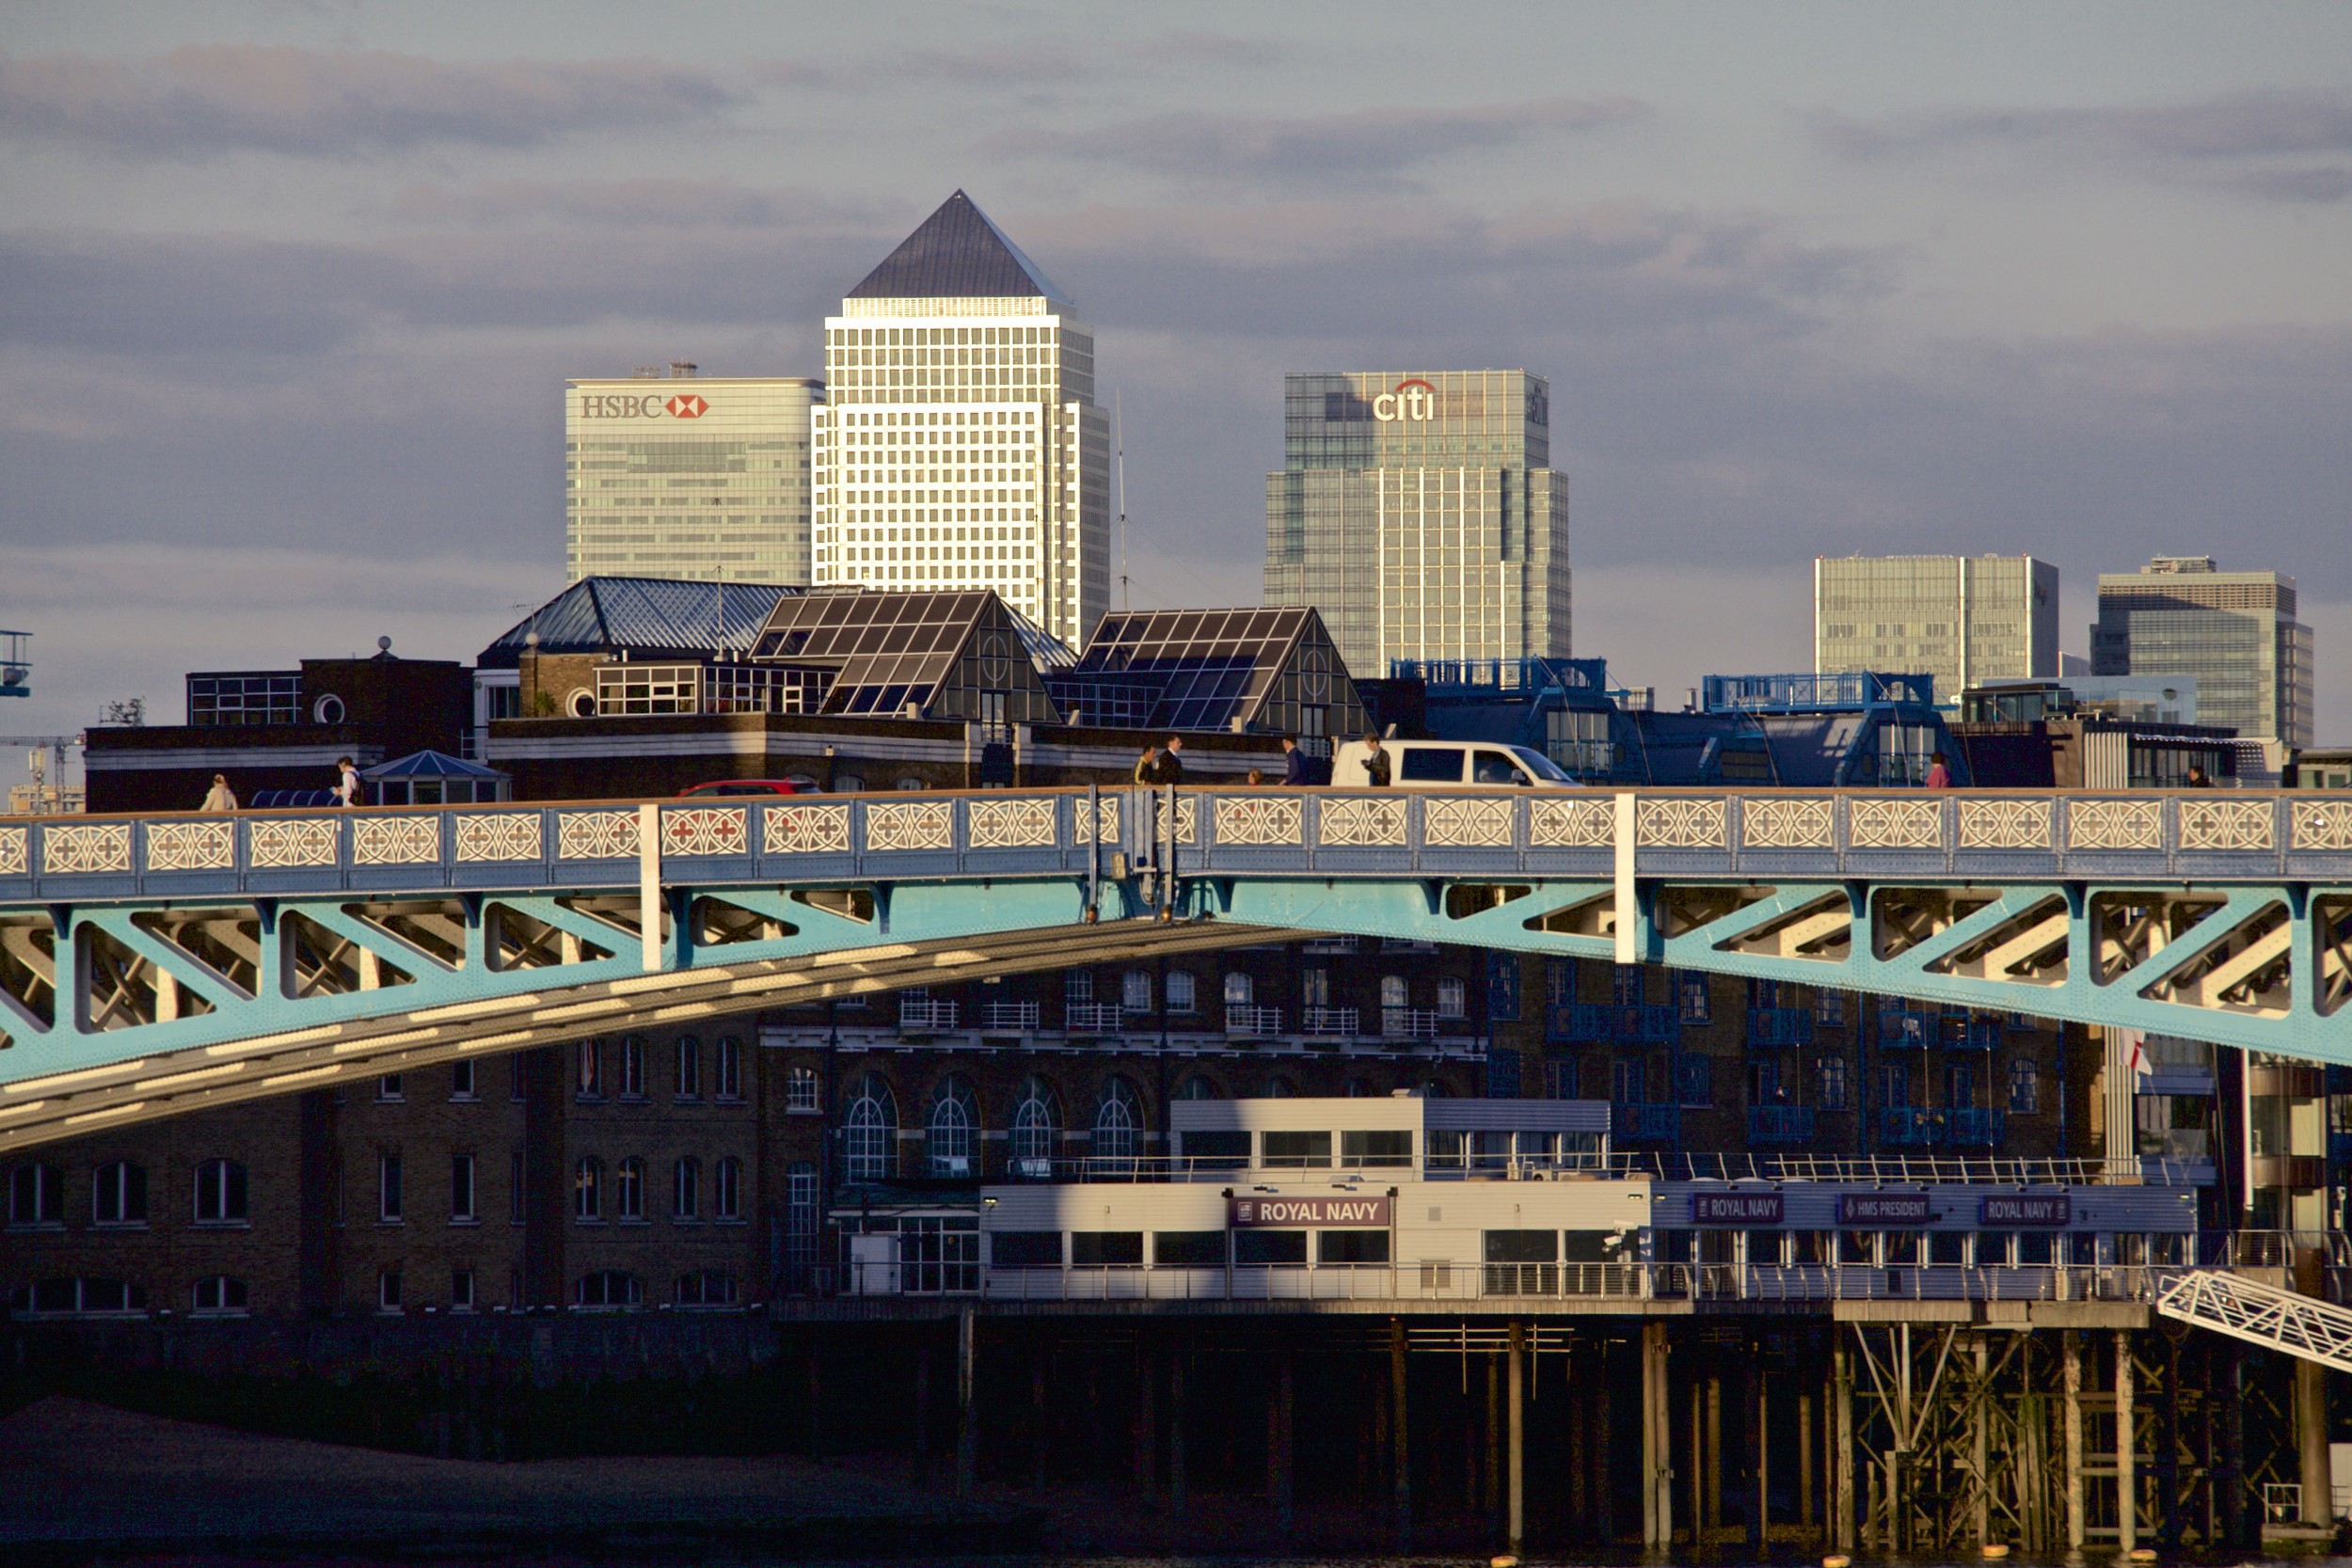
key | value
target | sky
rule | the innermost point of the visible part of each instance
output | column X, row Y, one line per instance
column 288, row 291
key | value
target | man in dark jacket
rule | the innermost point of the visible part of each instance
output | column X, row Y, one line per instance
column 1377, row 761
column 1173, row 761
column 1293, row 761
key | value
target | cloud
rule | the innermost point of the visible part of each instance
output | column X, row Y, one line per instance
column 1368, row 146
column 618, row 205
column 207, row 100
column 2239, row 140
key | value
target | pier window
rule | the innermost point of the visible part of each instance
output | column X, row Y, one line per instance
column 1105, row 1249
column 1377, row 1147
column 119, row 1193
column 951, row 1138
column 1270, row 1248
column 1136, row 992
column 727, row 1189
column 1238, row 990
column 1452, row 997
column 1027, row 1249
column 1992, row 1249
column 1946, row 1247
column 1351, row 1246
column 220, row 1193
column 1298, row 1150
column 1522, row 1263
column 1188, row 1249
column 871, row 1132
column 1179, row 990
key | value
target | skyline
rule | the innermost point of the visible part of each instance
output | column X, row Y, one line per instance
column 289, row 288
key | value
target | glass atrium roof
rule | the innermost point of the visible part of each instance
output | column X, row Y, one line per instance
column 956, row 254
column 644, row 615
column 1203, row 667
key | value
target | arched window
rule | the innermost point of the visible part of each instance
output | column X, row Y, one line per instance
column 872, row 1131
column 727, row 1189
column 119, row 1193
column 588, row 1188
column 730, row 1064
column 1135, row 991
column 1118, row 1123
column 690, row 1066
column 686, row 1188
column 1199, row 1086
column 219, row 1294
column 705, row 1288
column 36, row 1196
column 1452, row 997
column 1036, row 1130
column 1278, row 1088
column 1394, row 992
column 951, row 1137
column 1180, row 993
column 628, row 1189
column 220, row 1193
column 609, row 1289
column 588, row 1070
column 1237, row 990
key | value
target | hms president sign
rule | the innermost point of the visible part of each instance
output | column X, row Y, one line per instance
column 1252, row 1213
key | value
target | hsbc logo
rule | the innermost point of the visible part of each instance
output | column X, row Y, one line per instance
column 1412, row 400
column 642, row 405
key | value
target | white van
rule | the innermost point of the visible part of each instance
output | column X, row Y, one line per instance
column 1450, row 765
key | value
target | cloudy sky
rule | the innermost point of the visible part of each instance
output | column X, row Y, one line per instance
column 288, row 291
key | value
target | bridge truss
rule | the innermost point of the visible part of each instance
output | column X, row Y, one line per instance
column 150, row 965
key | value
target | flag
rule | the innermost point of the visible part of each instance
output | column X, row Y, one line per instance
column 2135, row 1053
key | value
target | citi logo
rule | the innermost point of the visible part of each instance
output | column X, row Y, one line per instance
column 1412, row 400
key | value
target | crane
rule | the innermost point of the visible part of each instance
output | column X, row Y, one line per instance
column 38, row 744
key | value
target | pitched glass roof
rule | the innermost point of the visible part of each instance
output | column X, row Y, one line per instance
column 1206, row 667
column 956, row 254
column 888, row 649
column 645, row 615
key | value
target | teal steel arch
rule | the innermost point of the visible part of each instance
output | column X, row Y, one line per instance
column 150, row 964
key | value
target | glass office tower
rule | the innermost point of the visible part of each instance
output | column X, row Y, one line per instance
column 961, row 447
column 683, row 476
column 2234, row 631
column 1419, row 512
column 1964, row 619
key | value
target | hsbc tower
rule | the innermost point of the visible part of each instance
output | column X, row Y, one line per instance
column 687, row 476
column 1419, row 512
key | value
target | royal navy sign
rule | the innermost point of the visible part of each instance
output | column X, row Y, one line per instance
column 1253, row 1213
column 1735, row 1208
column 2004, row 1209
column 1883, row 1209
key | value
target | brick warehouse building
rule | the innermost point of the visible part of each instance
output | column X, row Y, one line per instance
column 716, row 1168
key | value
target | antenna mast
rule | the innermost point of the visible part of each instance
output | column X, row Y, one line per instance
column 1119, row 440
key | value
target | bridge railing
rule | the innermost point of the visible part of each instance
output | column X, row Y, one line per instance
column 1910, row 1169
column 2019, row 834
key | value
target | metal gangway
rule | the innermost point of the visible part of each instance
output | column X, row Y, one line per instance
column 2260, row 1314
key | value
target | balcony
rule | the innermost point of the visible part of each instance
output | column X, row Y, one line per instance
column 1252, row 1023
column 1009, row 1015
column 1972, row 1033
column 1331, row 1021
column 1908, row 1028
column 1409, row 1024
column 1094, row 1018
column 1330, row 945
column 1777, row 1028
column 1646, row 1123
column 927, row 1016
column 1904, row 1127
column 1610, row 1023
column 1780, row 1125
column 1974, row 1127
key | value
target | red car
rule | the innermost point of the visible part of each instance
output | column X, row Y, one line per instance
column 749, row 786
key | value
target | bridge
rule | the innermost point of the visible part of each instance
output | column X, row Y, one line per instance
column 151, row 965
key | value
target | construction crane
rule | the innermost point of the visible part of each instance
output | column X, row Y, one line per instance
column 16, row 664
column 56, row 744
